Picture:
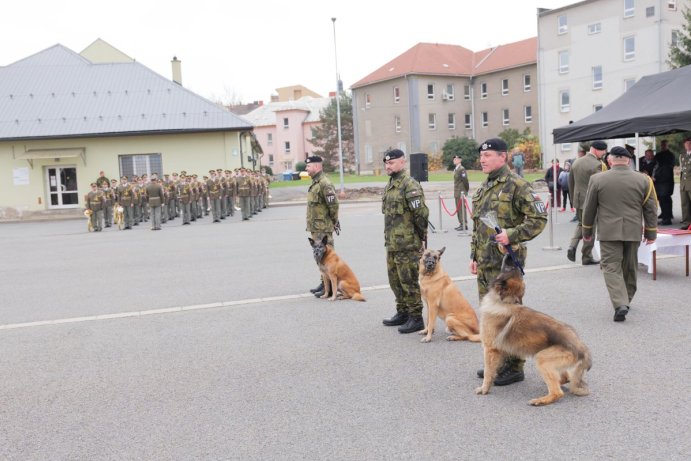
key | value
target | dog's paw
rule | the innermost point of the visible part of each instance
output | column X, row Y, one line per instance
column 481, row 390
column 426, row 339
column 423, row 332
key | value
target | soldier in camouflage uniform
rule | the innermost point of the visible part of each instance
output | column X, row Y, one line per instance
column 322, row 208
column 405, row 230
column 521, row 216
column 461, row 186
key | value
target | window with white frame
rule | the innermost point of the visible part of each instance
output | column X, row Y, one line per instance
column 504, row 86
column 397, row 123
column 564, row 101
column 595, row 28
column 563, row 61
column 285, row 123
column 629, row 6
column 269, row 139
column 566, row 147
column 528, row 114
column 452, row 121
column 672, row 5
column 368, row 100
column 271, row 159
column 597, row 77
column 432, row 121
column 450, row 93
column 527, row 86
column 485, row 119
column 505, row 117
column 467, row 122
column 562, row 24
column 430, row 91
column 286, row 147
column 629, row 48
column 675, row 38
column 466, row 92
column 649, row 11
column 597, row 107
column 628, row 83
column 396, row 94
column 483, row 90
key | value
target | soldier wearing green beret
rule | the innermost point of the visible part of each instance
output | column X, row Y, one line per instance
column 96, row 202
column 405, row 231
column 322, row 208
column 521, row 215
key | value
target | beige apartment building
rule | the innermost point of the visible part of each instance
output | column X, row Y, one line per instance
column 433, row 92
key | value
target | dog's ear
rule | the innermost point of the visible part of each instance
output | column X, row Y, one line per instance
column 325, row 239
column 441, row 252
column 311, row 241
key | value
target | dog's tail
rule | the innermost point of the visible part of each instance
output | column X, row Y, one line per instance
column 358, row 297
column 578, row 385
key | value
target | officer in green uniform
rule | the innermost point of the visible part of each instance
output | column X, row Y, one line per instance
column 102, row 180
column 322, row 208
column 96, row 202
column 685, row 184
column 244, row 194
column 184, row 193
column 405, row 231
column 460, row 191
column 126, row 200
column 581, row 171
column 521, row 215
column 154, row 191
column 619, row 200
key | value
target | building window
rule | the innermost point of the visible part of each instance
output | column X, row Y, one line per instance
column 562, row 25
column 629, row 48
column 432, row 121
column 505, row 117
column 483, row 90
column 505, row 86
column 594, row 28
column 675, row 38
column 597, row 77
column 285, row 123
column 396, row 94
column 563, row 61
column 566, row 147
column 650, row 12
column 528, row 114
column 467, row 122
column 140, row 164
column 564, row 101
column 397, row 123
column 269, row 139
column 368, row 100
column 526, row 82
column 466, row 92
column 369, row 156
column 271, row 159
column 597, row 107
column 485, row 119
column 628, row 83
column 628, row 8
column 286, row 147
column 452, row 121
column 430, row 91
column 449, row 94
column 672, row 5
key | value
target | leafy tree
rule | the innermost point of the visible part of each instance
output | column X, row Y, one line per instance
column 530, row 146
column 464, row 147
column 325, row 136
column 680, row 54
column 510, row 137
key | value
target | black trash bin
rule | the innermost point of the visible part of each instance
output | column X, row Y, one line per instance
column 418, row 166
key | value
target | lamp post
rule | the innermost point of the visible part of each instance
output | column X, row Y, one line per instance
column 338, row 110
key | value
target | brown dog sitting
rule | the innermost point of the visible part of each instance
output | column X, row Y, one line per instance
column 336, row 274
column 508, row 327
column 444, row 299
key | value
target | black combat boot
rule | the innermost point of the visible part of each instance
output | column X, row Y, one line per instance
column 320, row 287
column 506, row 375
column 414, row 323
column 398, row 319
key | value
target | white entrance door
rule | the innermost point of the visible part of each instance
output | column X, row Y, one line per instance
column 61, row 182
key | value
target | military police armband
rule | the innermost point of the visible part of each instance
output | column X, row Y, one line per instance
column 414, row 199
column 539, row 204
column 331, row 198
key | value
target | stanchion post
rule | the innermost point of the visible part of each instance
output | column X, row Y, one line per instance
column 440, row 229
column 550, row 218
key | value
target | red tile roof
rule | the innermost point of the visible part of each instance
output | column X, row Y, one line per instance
column 438, row 59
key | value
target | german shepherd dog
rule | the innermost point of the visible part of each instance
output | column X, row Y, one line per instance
column 509, row 328
column 336, row 274
column 444, row 299
column 89, row 226
column 119, row 216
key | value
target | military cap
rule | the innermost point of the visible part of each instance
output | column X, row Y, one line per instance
column 93, row 184
column 495, row 144
column 393, row 154
column 205, row 177
column 183, row 172
column 619, row 151
column 123, row 177
column 212, row 171
column 219, row 170
column 599, row 145
column 166, row 175
column 227, row 171
column 313, row 159
column 629, row 146
column 194, row 175
column 174, row 173
column 113, row 180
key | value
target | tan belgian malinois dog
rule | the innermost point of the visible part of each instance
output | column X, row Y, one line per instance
column 336, row 274
column 443, row 298
column 119, row 216
column 89, row 226
column 508, row 327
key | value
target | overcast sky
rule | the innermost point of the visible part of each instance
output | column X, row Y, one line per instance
column 242, row 50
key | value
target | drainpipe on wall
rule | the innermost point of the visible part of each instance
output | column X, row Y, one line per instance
column 471, row 82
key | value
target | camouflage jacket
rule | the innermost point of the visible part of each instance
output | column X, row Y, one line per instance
column 405, row 213
column 460, row 180
column 322, row 205
column 519, row 211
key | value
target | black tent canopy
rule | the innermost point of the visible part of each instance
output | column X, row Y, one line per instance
column 656, row 104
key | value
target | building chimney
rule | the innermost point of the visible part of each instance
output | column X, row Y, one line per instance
column 177, row 70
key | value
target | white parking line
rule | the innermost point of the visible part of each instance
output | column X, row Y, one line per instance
column 241, row 302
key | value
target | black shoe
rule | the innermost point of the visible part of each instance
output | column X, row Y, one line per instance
column 320, row 293
column 571, row 254
column 665, row 222
column 620, row 313
column 414, row 323
column 589, row 262
column 319, row 287
column 574, row 219
column 399, row 319
column 459, row 228
column 505, row 376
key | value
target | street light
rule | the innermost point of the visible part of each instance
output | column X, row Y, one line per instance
column 338, row 110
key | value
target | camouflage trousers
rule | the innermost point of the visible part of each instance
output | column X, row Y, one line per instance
column 403, row 270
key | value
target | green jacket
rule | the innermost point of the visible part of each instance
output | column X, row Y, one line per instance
column 322, row 205
column 581, row 171
column 460, row 180
column 519, row 211
column 405, row 213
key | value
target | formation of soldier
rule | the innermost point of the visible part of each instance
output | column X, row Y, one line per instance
column 220, row 194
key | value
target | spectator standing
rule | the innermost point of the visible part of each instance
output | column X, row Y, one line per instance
column 663, row 178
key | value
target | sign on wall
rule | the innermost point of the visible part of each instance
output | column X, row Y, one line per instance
column 20, row 176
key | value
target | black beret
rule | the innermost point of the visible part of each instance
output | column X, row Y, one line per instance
column 313, row 159
column 621, row 152
column 393, row 154
column 495, row 144
column 599, row 145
